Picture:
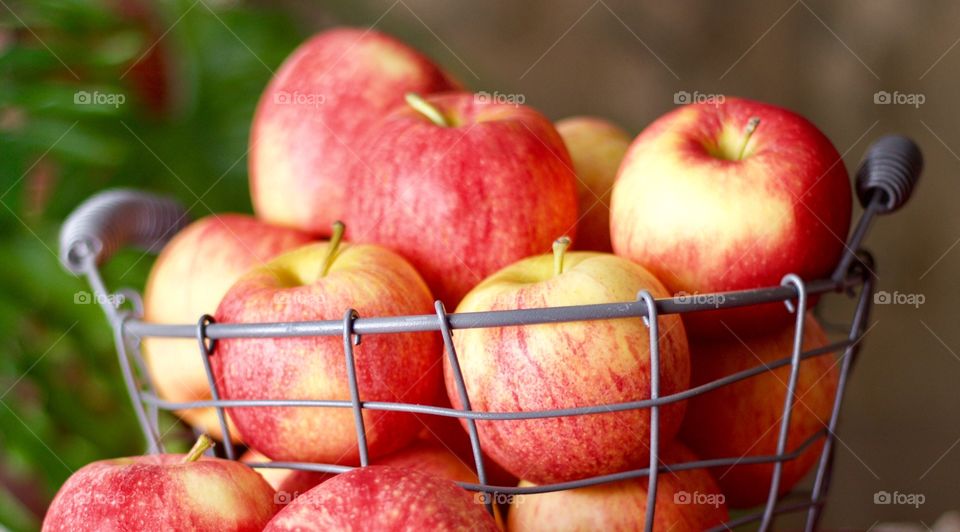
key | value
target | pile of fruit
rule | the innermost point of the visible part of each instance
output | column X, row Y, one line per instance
column 381, row 185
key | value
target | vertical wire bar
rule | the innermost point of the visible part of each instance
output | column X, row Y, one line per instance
column 451, row 351
column 654, row 329
column 822, row 479
column 349, row 340
column 206, row 349
column 134, row 346
column 800, row 310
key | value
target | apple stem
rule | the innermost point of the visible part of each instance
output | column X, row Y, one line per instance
column 204, row 442
column 748, row 132
column 560, row 246
column 333, row 247
column 426, row 109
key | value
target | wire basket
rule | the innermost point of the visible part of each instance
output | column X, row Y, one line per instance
column 117, row 218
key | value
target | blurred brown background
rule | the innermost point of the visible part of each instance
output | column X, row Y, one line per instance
column 627, row 61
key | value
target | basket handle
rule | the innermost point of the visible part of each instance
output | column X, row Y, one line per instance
column 890, row 168
column 115, row 218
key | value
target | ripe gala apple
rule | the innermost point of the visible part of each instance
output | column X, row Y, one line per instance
column 564, row 365
column 188, row 279
column 320, row 282
column 321, row 101
column 731, row 196
column 462, row 186
column 384, row 498
column 743, row 419
column 596, row 147
column 162, row 492
column 687, row 501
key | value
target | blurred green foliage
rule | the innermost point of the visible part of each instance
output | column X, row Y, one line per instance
column 189, row 74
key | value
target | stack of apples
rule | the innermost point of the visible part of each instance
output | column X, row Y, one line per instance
column 381, row 186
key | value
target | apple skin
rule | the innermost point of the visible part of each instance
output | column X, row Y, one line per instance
column 384, row 498
column 564, row 365
column 743, row 419
column 463, row 201
column 188, row 279
column 449, row 433
column 160, row 492
column 300, row 154
column 623, row 505
column 597, row 147
column 702, row 221
column 390, row 367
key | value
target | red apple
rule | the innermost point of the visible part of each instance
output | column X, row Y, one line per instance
column 564, row 365
column 743, row 419
column 188, row 279
column 462, row 186
column 322, row 100
column 163, row 492
column 384, row 498
column 320, row 282
column 596, row 146
column 730, row 196
column 686, row 501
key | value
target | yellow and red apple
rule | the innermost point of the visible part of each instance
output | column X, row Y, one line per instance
column 324, row 98
column 188, row 279
column 597, row 147
column 728, row 196
column 743, row 419
column 462, row 186
column 565, row 365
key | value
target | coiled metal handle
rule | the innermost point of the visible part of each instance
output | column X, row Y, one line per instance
column 115, row 218
column 891, row 168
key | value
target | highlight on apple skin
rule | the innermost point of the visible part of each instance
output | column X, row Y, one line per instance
column 461, row 187
column 743, row 419
column 730, row 196
column 319, row 282
column 188, row 279
column 321, row 101
column 551, row 366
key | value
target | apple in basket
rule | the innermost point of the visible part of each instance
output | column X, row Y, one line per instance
column 687, row 501
column 731, row 195
column 163, row 492
column 462, row 186
column 743, row 419
column 188, row 279
column 325, row 97
column 320, row 282
column 564, row 365
column 596, row 146
column 384, row 498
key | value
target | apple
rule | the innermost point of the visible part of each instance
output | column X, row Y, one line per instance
column 743, row 419
column 320, row 282
column 384, row 498
column 462, row 186
column 596, row 146
column 324, row 98
column 687, row 500
column 163, row 492
column 188, row 279
column 731, row 195
column 564, row 365
column 449, row 433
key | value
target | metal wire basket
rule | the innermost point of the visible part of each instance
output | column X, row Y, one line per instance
column 117, row 218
